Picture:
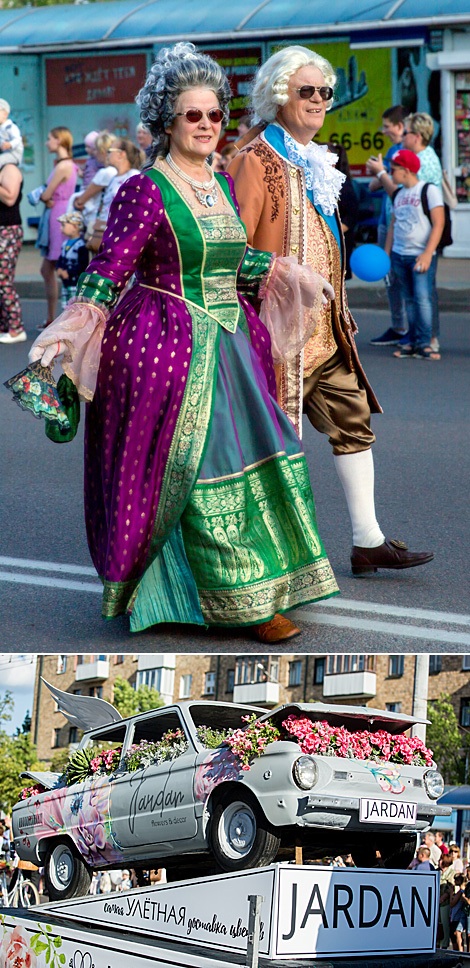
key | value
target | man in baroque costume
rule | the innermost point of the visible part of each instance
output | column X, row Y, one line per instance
column 288, row 188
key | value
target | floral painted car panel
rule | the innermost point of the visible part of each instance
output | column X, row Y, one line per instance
column 232, row 783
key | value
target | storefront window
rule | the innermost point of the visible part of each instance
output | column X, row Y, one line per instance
column 462, row 124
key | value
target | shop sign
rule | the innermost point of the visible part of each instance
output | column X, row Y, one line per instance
column 95, row 79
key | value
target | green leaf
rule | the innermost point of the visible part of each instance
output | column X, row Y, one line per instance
column 62, row 958
column 57, row 941
column 39, row 946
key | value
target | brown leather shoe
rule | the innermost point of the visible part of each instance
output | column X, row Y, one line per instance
column 390, row 554
column 278, row 629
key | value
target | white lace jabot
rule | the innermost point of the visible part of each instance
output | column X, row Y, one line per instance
column 321, row 176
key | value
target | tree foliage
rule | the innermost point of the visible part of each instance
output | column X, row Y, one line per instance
column 129, row 701
column 449, row 744
column 17, row 753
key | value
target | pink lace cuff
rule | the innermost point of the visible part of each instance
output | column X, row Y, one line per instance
column 293, row 298
column 81, row 327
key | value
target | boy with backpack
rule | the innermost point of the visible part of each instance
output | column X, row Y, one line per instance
column 413, row 238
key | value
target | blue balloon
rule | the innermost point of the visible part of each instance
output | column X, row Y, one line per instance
column 370, row 263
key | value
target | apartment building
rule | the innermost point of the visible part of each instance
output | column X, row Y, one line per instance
column 381, row 681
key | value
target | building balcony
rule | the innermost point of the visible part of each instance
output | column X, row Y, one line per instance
column 257, row 693
column 92, row 671
column 361, row 685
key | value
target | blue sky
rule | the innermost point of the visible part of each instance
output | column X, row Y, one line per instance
column 17, row 675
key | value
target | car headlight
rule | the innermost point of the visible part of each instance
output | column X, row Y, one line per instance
column 433, row 784
column 305, row 772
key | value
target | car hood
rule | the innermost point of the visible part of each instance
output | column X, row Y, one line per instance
column 353, row 717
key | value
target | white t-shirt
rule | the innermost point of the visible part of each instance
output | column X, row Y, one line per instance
column 412, row 227
column 112, row 188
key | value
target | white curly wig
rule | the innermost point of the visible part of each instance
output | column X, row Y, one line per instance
column 270, row 87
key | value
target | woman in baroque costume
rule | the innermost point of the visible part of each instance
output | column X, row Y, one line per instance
column 197, row 496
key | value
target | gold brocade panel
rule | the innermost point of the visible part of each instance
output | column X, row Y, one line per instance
column 324, row 256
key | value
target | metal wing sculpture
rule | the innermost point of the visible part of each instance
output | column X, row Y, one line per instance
column 86, row 712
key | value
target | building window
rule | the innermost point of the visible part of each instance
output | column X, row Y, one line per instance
column 96, row 692
column 295, row 672
column 466, row 662
column 151, row 678
column 77, row 692
column 209, row 684
column 185, row 686
column 73, row 734
column 250, row 669
column 435, row 664
column 396, row 666
column 230, row 680
column 340, row 663
column 61, row 664
column 118, row 659
column 393, row 707
column 319, row 672
column 465, row 712
column 56, row 739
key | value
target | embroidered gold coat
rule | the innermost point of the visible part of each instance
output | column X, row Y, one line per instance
column 279, row 218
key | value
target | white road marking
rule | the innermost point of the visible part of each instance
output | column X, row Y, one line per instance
column 17, row 578
column 313, row 615
column 429, row 633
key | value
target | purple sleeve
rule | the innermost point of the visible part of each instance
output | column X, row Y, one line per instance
column 135, row 212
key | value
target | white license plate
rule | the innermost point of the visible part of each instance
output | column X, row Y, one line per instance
column 387, row 811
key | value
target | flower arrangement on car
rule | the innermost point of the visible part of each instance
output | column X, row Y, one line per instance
column 247, row 744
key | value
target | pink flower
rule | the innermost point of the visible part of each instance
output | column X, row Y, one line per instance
column 15, row 951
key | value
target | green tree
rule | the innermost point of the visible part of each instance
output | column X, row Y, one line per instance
column 446, row 740
column 129, row 701
column 7, row 706
column 17, row 753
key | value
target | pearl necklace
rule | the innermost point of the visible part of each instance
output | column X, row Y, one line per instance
column 207, row 192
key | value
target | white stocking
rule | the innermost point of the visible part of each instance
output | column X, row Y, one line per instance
column 356, row 473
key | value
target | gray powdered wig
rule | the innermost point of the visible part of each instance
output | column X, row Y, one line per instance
column 177, row 69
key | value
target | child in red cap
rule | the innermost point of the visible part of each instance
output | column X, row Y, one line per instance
column 412, row 241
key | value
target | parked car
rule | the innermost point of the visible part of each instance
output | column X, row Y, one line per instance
column 232, row 784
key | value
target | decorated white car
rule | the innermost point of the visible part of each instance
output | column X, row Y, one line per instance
column 229, row 786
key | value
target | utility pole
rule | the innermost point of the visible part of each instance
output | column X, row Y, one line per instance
column 420, row 693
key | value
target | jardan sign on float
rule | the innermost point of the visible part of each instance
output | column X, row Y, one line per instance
column 306, row 912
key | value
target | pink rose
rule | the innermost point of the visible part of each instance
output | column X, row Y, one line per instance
column 15, row 951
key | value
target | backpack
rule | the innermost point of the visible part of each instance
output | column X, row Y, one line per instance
column 446, row 237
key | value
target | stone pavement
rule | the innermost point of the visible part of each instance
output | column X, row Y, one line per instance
column 453, row 281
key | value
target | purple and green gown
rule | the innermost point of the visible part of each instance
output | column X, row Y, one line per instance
column 197, row 496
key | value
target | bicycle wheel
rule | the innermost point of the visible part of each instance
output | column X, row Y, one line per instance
column 28, row 894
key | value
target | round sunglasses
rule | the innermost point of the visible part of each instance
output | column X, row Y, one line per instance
column 308, row 90
column 195, row 114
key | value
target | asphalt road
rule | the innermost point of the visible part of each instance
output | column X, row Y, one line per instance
column 49, row 593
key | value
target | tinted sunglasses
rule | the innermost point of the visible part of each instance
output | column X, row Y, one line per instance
column 308, row 90
column 194, row 115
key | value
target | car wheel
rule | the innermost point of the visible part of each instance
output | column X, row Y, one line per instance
column 240, row 837
column 66, row 874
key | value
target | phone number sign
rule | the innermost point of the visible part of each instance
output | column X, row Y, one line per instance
column 363, row 91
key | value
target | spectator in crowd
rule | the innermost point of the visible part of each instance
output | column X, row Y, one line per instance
column 458, row 913
column 412, row 243
column 228, row 152
column 105, row 883
column 92, row 164
column 429, row 840
column 244, row 125
column 11, row 237
column 60, row 186
column 73, row 258
column 143, row 138
column 88, row 202
column 127, row 159
column 457, row 862
column 446, row 890
column 393, row 123
column 441, row 842
column 11, row 142
column 417, row 136
column 422, row 860
column 125, row 884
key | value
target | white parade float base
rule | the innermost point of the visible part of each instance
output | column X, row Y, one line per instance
column 307, row 912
